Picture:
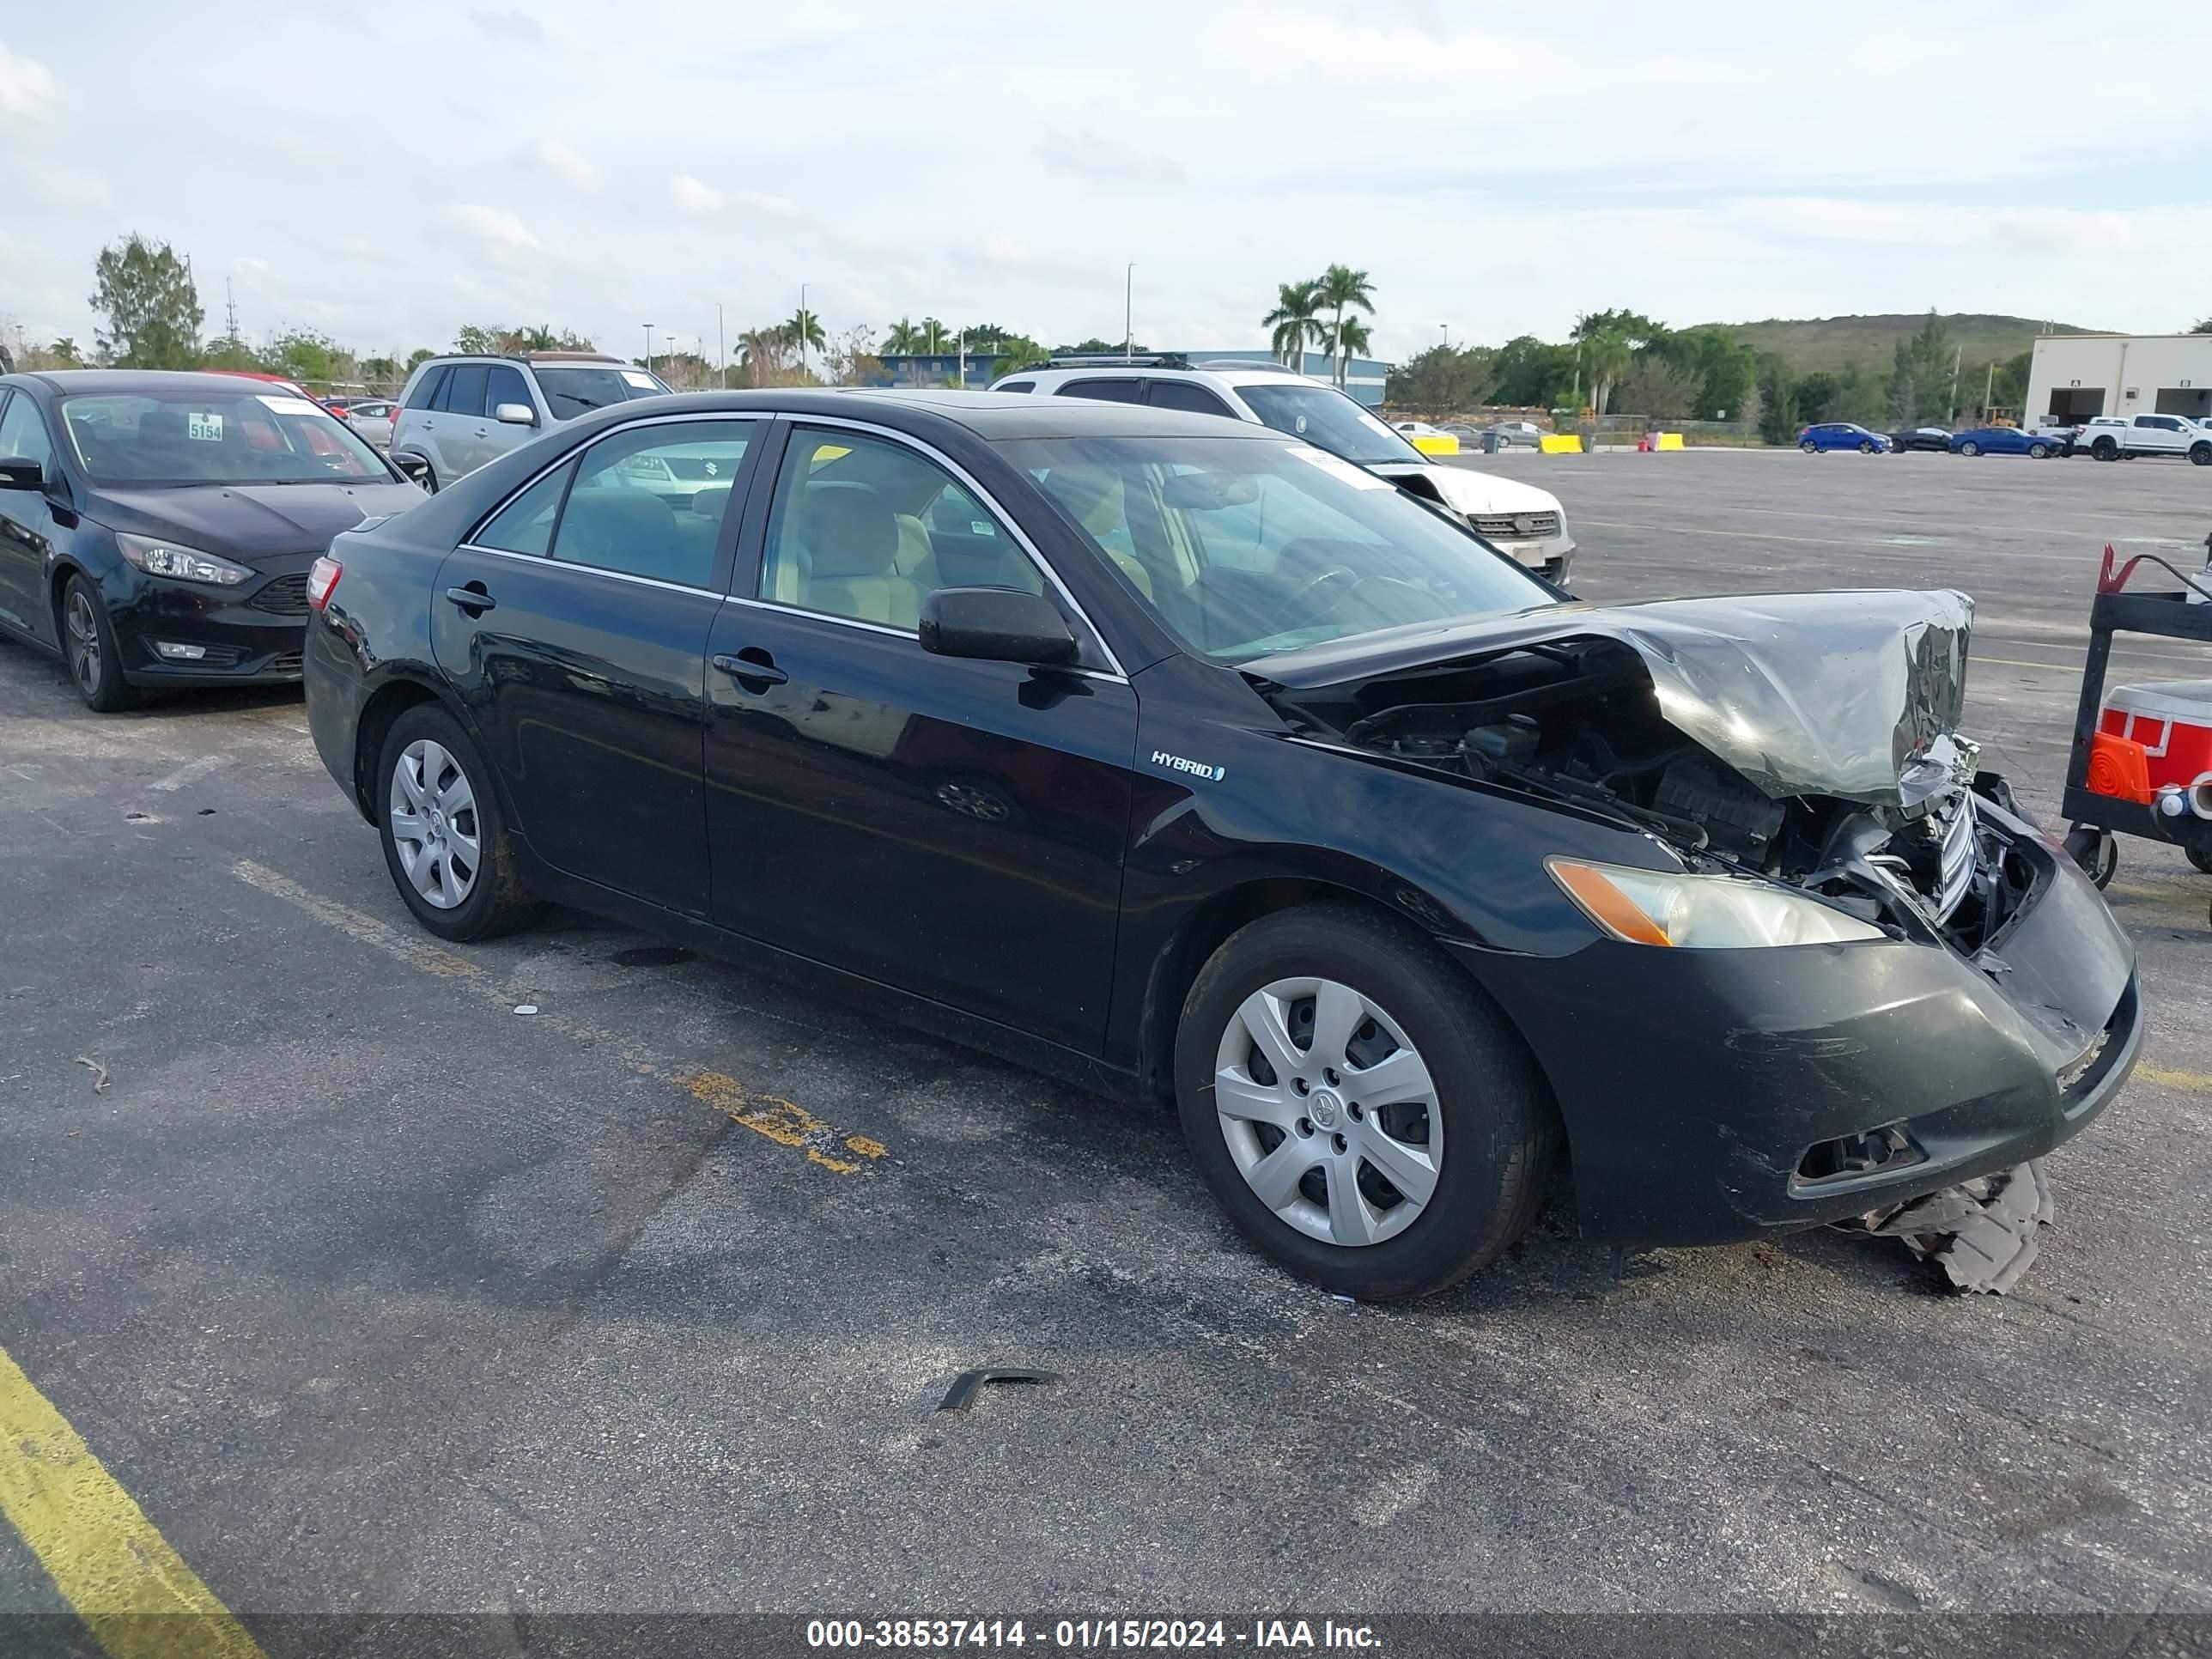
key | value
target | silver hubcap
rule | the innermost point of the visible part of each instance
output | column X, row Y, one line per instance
column 83, row 640
column 1329, row 1111
column 432, row 815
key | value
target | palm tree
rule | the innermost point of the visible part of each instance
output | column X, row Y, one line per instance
column 933, row 334
column 804, row 330
column 1345, row 289
column 1606, row 354
column 1296, row 320
column 904, row 339
column 1348, row 341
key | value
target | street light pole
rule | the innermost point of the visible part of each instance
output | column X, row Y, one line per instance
column 1447, row 329
column 648, row 348
column 1129, row 312
column 802, row 328
column 721, row 349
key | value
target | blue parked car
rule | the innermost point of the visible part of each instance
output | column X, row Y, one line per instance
column 2002, row 440
column 1841, row 434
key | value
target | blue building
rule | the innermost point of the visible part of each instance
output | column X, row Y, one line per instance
column 1364, row 382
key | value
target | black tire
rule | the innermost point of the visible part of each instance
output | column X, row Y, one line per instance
column 497, row 900
column 2199, row 858
column 1809, row 448
column 2105, row 450
column 2200, row 455
column 2097, row 851
column 1866, row 445
column 90, row 650
column 2036, row 451
column 1499, row 1128
column 1969, row 448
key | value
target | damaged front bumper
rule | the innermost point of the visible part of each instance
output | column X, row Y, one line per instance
column 1718, row 1095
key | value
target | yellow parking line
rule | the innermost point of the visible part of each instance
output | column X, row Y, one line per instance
column 106, row 1559
column 2194, row 1082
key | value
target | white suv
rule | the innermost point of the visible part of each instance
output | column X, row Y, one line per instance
column 1522, row 521
column 2109, row 437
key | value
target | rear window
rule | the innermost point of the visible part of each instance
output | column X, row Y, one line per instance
column 185, row 438
column 578, row 389
column 1105, row 391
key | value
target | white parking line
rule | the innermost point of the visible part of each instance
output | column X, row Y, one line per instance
column 192, row 770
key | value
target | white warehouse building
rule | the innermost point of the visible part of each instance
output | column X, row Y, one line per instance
column 2075, row 376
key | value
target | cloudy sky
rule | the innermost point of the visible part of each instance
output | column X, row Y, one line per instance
column 386, row 171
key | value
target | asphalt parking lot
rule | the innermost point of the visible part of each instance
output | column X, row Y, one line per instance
column 377, row 1295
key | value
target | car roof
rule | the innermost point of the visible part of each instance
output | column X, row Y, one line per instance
column 993, row 417
column 145, row 381
column 1232, row 376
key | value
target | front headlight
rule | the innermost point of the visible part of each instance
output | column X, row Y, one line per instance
column 1714, row 913
column 158, row 556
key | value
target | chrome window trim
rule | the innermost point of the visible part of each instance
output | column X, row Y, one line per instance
column 545, row 562
column 991, row 504
column 1113, row 677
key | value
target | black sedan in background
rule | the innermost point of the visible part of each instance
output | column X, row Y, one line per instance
column 156, row 529
column 1921, row 437
column 1183, row 758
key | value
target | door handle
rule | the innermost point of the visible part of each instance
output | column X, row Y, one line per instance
column 743, row 667
column 471, row 599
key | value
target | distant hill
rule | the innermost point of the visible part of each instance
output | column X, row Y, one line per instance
column 1812, row 344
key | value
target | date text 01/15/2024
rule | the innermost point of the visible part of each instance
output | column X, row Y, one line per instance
column 1084, row 1634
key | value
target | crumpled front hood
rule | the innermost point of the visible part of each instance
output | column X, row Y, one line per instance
column 1844, row 694
column 243, row 521
column 1465, row 491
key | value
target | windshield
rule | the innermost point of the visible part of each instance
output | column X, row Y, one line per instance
column 1321, row 415
column 224, row 437
column 573, row 392
column 1249, row 546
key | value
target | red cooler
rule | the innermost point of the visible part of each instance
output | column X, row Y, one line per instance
column 2172, row 721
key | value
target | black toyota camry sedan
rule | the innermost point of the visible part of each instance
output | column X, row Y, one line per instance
column 1187, row 759
column 155, row 529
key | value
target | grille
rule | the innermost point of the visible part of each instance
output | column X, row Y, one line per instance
column 1954, row 860
column 288, row 663
column 1510, row 525
column 283, row 596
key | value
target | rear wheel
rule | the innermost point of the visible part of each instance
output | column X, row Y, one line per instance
column 2105, row 450
column 1969, row 448
column 2200, row 857
column 1809, row 448
column 1359, row 1111
column 444, row 840
column 90, row 647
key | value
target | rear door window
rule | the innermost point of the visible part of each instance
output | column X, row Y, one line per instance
column 464, row 390
column 650, row 501
column 1105, row 391
column 525, row 524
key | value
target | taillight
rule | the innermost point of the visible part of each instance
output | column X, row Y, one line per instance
column 322, row 581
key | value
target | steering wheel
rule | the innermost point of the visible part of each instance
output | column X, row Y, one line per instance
column 1296, row 608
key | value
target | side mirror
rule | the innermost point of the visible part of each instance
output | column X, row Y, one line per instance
column 996, row 624
column 515, row 415
column 20, row 472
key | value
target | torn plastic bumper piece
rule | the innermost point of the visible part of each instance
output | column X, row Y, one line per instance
column 1985, row 1231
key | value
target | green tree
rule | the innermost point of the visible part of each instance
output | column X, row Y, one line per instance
column 310, row 358
column 231, row 352
column 1777, row 400
column 1347, row 340
column 1095, row 347
column 153, row 311
column 381, row 373
column 1296, row 321
column 419, row 356
column 905, row 338
column 1657, row 386
column 803, row 329
column 1921, row 375
column 66, row 350
column 1342, row 289
column 1532, row 374
column 1441, row 381
column 2204, row 326
column 474, row 339
column 1817, row 395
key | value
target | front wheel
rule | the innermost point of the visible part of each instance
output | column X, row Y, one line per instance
column 2036, row 451
column 445, row 841
column 1358, row 1107
column 1866, row 445
column 89, row 644
column 1809, row 448
column 2200, row 455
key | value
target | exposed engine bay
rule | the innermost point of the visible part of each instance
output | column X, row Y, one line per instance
column 1816, row 747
